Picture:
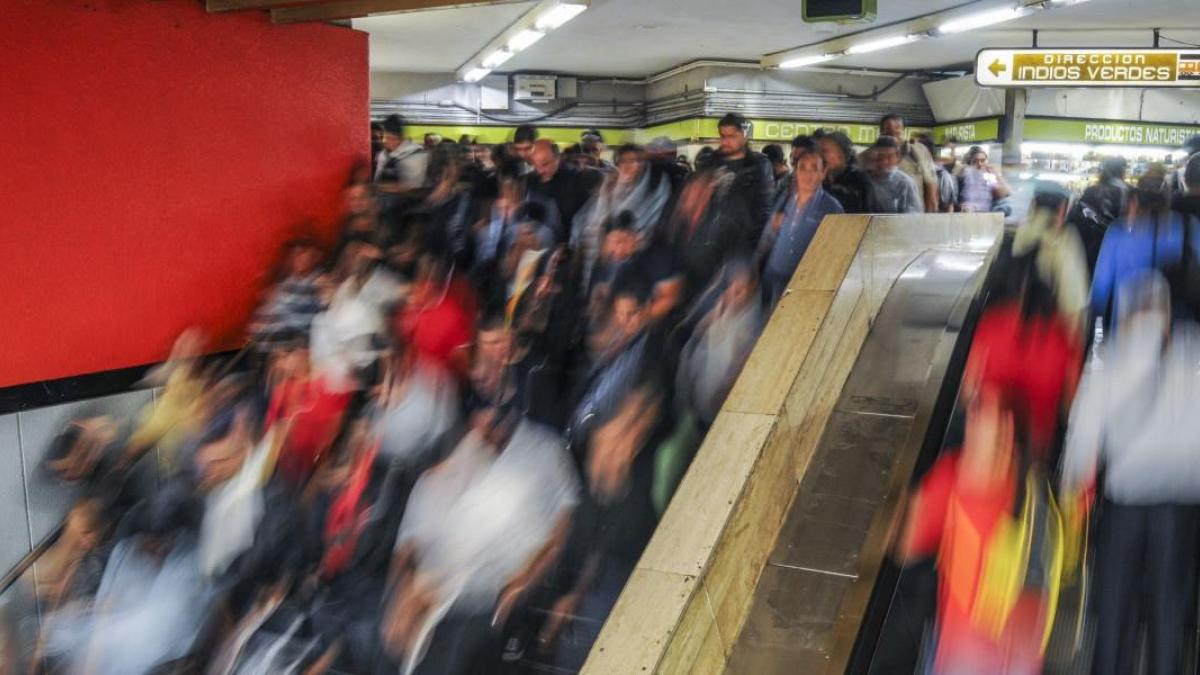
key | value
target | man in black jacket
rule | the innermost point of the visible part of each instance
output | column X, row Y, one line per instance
column 1187, row 201
column 755, row 182
column 567, row 187
column 1177, row 180
column 663, row 157
column 844, row 179
column 1101, row 204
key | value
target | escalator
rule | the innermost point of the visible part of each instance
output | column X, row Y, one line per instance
column 848, row 396
column 894, row 636
column 830, row 594
column 31, row 417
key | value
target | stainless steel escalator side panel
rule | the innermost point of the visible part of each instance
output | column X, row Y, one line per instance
column 879, row 539
column 811, row 597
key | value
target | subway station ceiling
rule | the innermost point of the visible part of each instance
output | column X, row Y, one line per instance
column 634, row 38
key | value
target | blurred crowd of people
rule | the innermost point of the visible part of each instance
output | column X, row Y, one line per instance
column 1077, row 456
column 452, row 430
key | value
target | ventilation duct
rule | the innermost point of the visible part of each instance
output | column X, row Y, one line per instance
column 711, row 102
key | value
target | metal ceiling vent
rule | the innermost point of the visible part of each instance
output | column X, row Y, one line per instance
column 534, row 87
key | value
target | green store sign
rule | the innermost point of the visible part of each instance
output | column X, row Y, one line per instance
column 1097, row 132
column 1092, row 132
column 786, row 130
column 973, row 131
column 489, row 135
column 695, row 129
column 765, row 130
column 683, row 130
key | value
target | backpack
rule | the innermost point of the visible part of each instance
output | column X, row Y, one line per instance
column 1026, row 553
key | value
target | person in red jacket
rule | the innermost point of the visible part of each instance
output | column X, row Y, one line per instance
column 438, row 321
column 304, row 411
column 1025, row 348
column 955, row 515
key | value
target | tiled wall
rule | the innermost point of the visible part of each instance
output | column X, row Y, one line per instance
column 31, row 505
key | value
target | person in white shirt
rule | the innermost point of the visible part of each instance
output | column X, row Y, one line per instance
column 345, row 336
column 480, row 531
column 401, row 165
column 1137, row 416
column 417, row 408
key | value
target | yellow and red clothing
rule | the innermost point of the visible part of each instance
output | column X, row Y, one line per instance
column 957, row 522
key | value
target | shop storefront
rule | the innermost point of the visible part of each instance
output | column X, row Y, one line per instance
column 1070, row 150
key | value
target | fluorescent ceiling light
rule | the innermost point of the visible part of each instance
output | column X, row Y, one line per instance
column 801, row 61
column 545, row 16
column 524, row 39
column 558, row 15
column 1064, row 3
column 476, row 74
column 973, row 21
column 496, row 59
column 876, row 45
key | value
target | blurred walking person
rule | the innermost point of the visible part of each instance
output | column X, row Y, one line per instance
column 779, row 168
column 561, row 186
column 1187, row 200
column 1101, row 204
column 844, row 179
column 481, row 530
column 634, row 189
column 400, row 166
column 1060, row 260
column 710, row 363
column 711, row 225
column 1136, row 418
column 1148, row 236
column 963, row 513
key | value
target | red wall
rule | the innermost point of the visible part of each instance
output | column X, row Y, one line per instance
column 152, row 159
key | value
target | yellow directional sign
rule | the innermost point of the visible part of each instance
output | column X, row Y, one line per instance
column 1088, row 67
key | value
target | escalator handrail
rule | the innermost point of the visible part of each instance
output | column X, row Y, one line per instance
column 29, row 559
column 863, row 651
column 25, row 397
